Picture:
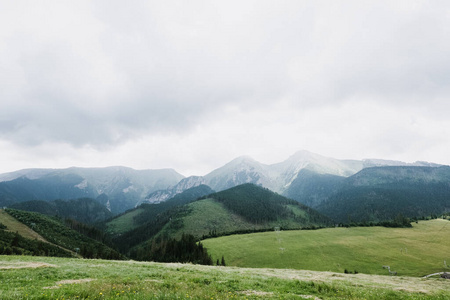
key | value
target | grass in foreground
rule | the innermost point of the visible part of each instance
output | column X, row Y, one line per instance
column 65, row 278
column 416, row 251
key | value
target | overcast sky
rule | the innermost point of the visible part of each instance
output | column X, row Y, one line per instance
column 191, row 85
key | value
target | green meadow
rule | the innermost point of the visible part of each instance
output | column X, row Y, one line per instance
column 417, row 251
column 124, row 222
column 29, row 277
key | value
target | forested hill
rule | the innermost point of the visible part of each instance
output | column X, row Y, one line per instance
column 153, row 215
column 84, row 210
column 382, row 193
column 260, row 205
column 245, row 208
column 72, row 236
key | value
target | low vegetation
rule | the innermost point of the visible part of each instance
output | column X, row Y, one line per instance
column 65, row 278
column 416, row 251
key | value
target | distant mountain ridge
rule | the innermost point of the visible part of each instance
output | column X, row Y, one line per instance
column 382, row 193
column 278, row 177
column 117, row 188
column 121, row 188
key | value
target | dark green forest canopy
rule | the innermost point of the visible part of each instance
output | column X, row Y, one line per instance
column 260, row 205
column 54, row 231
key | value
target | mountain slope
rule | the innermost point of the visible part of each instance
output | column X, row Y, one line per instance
column 381, row 193
column 147, row 213
column 284, row 177
column 240, row 170
column 84, row 210
column 117, row 188
column 162, row 195
column 243, row 208
column 57, row 233
column 312, row 189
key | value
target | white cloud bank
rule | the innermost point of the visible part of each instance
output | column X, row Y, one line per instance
column 192, row 84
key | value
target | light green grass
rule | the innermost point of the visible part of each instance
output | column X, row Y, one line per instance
column 57, row 278
column 297, row 211
column 413, row 251
column 15, row 226
column 123, row 223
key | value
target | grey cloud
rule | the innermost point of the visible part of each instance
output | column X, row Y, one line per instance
column 162, row 67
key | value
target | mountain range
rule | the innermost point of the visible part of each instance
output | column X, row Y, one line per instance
column 306, row 177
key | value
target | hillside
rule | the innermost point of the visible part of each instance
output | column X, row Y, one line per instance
column 312, row 189
column 245, row 208
column 17, row 238
column 84, row 210
column 416, row 251
column 381, row 193
column 147, row 213
column 55, row 232
column 259, row 206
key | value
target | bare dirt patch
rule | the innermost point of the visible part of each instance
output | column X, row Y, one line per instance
column 309, row 297
column 256, row 293
column 24, row 265
column 153, row 280
column 69, row 281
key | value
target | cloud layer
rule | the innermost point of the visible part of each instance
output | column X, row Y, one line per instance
column 210, row 80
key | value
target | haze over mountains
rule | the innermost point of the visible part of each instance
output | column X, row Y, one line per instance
column 306, row 177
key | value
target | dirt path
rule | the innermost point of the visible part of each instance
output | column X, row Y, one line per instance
column 24, row 265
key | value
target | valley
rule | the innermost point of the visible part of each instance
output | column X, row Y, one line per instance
column 308, row 227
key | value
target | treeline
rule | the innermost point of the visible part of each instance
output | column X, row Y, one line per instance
column 399, row 221
column 54, row 231
column 171, row 250
column 214, row 233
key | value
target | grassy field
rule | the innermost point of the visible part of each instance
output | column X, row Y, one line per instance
column 26, row 277
column 417, row 251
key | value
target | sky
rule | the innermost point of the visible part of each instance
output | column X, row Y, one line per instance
column 191, row 85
